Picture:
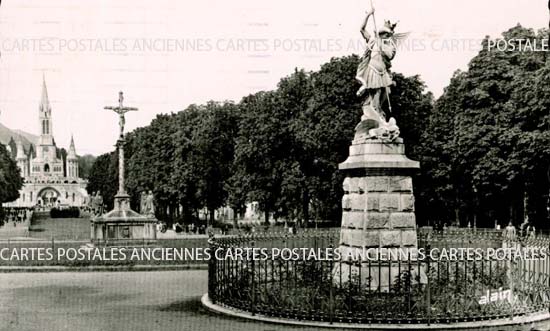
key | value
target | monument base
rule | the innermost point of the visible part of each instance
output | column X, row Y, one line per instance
column 377, row 212
column 123, row 223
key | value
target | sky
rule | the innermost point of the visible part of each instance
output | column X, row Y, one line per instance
column 167, row 54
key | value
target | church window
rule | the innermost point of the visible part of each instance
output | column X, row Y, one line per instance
column 73, row 197
column 46, row 168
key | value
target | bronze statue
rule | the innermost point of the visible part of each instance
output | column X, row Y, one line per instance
column 375, row 77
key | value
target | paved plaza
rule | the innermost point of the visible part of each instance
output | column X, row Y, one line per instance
column 112, row 301
column 118, row 301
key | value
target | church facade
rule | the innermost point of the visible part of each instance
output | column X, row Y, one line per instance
column 49, row 180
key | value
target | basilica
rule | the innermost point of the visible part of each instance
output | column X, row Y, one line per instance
column 49, row 180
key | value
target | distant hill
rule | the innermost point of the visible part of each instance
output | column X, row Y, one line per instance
column 29, row 136
column 25, row 137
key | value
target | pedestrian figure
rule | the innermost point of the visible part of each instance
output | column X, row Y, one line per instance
column 510, row 232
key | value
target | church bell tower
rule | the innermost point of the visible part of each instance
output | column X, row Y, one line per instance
column 45, row 117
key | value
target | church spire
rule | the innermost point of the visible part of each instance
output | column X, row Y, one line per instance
column 45, row 118
column 44, row 100
column 72, row 150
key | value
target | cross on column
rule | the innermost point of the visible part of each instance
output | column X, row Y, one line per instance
column 121, row 110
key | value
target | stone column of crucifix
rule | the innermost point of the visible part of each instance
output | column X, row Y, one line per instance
column 122, row 222
column 121, row 110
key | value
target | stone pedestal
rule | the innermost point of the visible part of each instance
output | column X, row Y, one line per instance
column 378, row 211
column 123, row 223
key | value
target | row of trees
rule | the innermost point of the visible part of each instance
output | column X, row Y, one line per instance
column 483, row 145
column 486, row 154
column 280, row 148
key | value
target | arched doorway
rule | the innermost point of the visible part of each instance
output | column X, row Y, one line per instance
column 48, row 196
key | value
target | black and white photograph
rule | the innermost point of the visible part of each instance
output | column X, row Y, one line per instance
column 274, row 165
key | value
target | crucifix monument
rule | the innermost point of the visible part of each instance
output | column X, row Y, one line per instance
column 122, row 222
column 121, row 110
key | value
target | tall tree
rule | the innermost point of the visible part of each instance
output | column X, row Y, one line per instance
column 212, row 153
column 482, row 137
column 258, row 144
column 85, row 163
column 149, row 152
column 10, row 178
column 104, row 178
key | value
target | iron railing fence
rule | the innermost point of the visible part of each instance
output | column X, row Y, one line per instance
column 399, row 290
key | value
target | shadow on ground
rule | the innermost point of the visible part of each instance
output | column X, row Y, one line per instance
column 191, row 305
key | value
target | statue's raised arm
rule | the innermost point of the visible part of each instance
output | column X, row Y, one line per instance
column 364, row 32
column 375, row 77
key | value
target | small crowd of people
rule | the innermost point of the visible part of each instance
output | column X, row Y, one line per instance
column 15, row 215
column 191, row 228
column 291, row 228
column 526, row 230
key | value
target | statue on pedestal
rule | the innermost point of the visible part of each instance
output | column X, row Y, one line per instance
column 378, row 201
column 376, row 80
column 149, row 204
column 98, row 203
column 142, row 201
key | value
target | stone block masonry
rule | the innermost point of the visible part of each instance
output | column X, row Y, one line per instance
column 378, row 204
column 378, row 201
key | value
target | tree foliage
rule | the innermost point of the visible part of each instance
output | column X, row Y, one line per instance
column 85, row 163
column 279, row 148
column 10, row 177
column 104, row 177
column 486, row 148
column 483, row 145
